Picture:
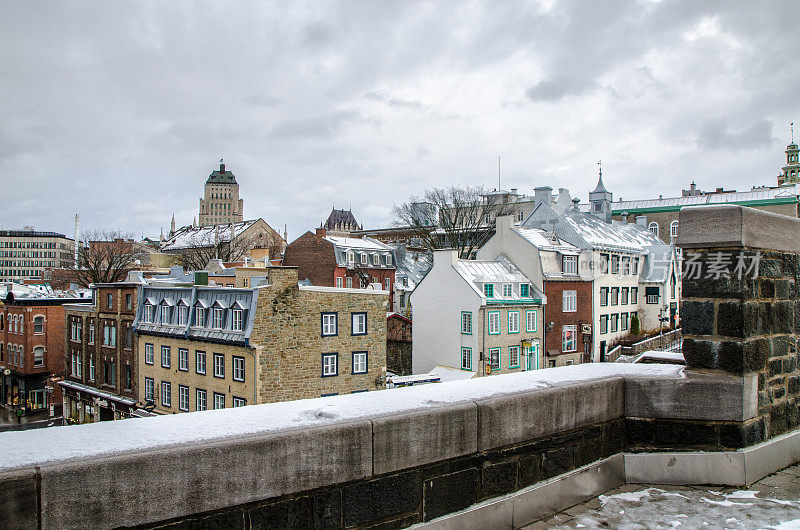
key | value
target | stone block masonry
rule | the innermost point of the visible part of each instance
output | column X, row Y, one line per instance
column 745, row 321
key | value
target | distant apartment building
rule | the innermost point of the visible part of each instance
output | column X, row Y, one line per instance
column 338, row 261
column 101, row 375
column 32, row 349
column 203, row 347
column 479, row 316
column 26, row 253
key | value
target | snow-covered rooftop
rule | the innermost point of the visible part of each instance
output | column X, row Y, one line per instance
column 494, row 271
column 357, row 243
column 757, row 194
column 544, row 240
column 203, row 236
column 617, row 235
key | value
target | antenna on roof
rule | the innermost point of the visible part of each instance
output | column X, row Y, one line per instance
column 498, row 173
column 600, row 164
column 791, row 128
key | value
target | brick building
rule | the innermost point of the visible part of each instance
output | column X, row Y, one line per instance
column 398, row 344
column 31, row 349
column 336, row 261
column 205, row 347
column 568, row 322
column 100, row 355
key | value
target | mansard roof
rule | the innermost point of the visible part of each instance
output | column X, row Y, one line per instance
column 340, row 218
column 221, row 177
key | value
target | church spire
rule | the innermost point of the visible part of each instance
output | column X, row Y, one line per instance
column 172, row 226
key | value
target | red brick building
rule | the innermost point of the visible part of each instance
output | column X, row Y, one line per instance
column 398, row 344
column 568, row 322
column 101, row 361
column 336, row 261
column 31, row 349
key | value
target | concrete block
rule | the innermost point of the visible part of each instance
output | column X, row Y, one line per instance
column 132, row 489
column 449, row 493
column 771, row 456
column 696, row 396
column 421, row 437
column 381, row 498
column 527, row 416
column 737, row 227
column 685, row 468
column 19, row 504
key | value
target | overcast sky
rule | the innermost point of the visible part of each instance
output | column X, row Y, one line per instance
column 120, row 110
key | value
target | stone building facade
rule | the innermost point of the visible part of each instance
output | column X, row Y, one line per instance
column 220, row 203
column 100, row 355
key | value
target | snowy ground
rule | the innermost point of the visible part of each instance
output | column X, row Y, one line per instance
column 772, row 503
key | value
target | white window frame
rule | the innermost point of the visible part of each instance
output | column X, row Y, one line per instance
column 238, row 368
column 166, row 394
column 513, row 356
column 148, row 354
column 349, row 282
column 330, row 364
column 198, row 356
column 219, row 401
column 466, row 323
column 358, row 323
column 569, row 338
column 219, row 365
column 239, row 402
column 165, row 316
column 466, row 359
column 218, row 318
column 183, row 315
column 531, row 321
column 507, row 290
column 339, row 282
column 363, row 259
column 359, row 362
column 149, row 388
column 513, row 321
column 569, row 301
column 673, row 229
column 200, row 399
column 166, row 355
column 38, row 320
column 200, row 317
column 183, row 359
column 183, row 398
column 653, row 228
column 330, row 327
column 237, row 319
column 494, row 322
column 569, row 265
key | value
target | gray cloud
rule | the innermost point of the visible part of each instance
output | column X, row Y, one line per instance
column 717, row 134
column 559, row 87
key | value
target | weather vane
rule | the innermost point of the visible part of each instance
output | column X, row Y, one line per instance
column 791, row 128
column 600, row 164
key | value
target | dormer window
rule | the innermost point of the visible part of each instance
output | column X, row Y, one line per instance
column 183, row 315
column 200, row 316
column 149, row 312
column 351, row 258
column 524, row 290
column 506, row 290
column 363, row 259
column 218, row 317
column 237, row 323
column 488, row 290
column 569, row 264
column 376, row 259
column 165, row 313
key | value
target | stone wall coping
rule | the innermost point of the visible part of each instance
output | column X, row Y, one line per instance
column 326, row 289
column 731, row 226
column 30, row 448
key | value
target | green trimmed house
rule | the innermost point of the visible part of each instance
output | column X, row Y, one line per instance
column 480, row 316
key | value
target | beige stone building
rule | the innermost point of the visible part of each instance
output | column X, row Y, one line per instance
column 205, row 347
column 220, row 203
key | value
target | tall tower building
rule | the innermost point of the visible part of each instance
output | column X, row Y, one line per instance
column 790, row 173
column 221, row 203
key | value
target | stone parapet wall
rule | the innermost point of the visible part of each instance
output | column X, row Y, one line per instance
column 746, row 321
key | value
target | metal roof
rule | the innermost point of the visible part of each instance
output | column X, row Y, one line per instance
column 773, row 194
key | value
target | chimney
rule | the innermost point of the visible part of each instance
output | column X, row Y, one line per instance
column 321, row 232
column 543, row 194
column 513, row 191
column 641, row 220
column 445, row 257
column 221, row 167
column 576, row 204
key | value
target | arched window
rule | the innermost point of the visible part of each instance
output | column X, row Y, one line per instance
column 673, row 229
column 2, row 323
column 21, row 323
column 653, row 227
column 38, row 324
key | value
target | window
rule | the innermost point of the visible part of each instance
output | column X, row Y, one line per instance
column 219, row 400
column 148, row 354
column 109, row 335
column 200, row 362
column 219, row 365
column 349, row 282
column 109, row 301
column 604, row 296
column 604, row 263
column 531, row 322
column 38, row 356
column 91, row 368
column 165, row 314
column 524, row 290
column 128, row 336
column 128, row 377
column 466, row 323
column 626, row 266
column 110, row 368
column 330, row 364
column 614, row 321
column 520, row 216
column 200, row 399
column 239, row 402
column 615, row 296
column 513, row 356
column 653, row 227
column 166, row 357
column 238, row 368
column 339, row 282
column 614, row 264
column 166, row 394
column 651, row 295
column 183, row 315
column 376, row 259
column 200, row 316
column 466, row 358
column 551, row 363
column 38, row 325
column 238, row 322
column 569, row 264
column 569, row 301
column 183, row 359
column 635, row 269
column 488, row 290
column 183, row 398
column 624, row 296
column 634, row 295
column 494, row 358
column 219, row 317
column 363, row 259
column 387, row 284
column 360, row 362
column 494, row 323
column 75, row 330
column 513, row 321
column 359, row 322
column 603, row 324
column 569, row 338
column 128, row 301
column 149, row 388
column 246, row 282
column 90, row 325
column 329, row 327
column 506, row 290
column 623, row 321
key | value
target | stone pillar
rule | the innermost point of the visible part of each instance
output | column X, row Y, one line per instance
column 741, row 309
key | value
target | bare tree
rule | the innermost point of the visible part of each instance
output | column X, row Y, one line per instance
column 460, row 218
column 106, row 257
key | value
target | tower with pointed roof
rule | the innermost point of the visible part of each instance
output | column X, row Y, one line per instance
column 790, row 173
column 221, row 203
column 600, row 199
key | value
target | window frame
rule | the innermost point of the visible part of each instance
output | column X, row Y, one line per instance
column 237, row 319
column 324, row 368
column 168, row 357
column 200, row 354
column 492, row 364
column 488, row 290
column 238, row 402
column 40, row 323
column 569, row 336
column 237, row 363
column 353, row 315
column 490, row 317
column 329, row 314
column 218, row 396
column 149, row 388
column 218, row 355
column 183, row 359
column 508, row 290
column 197, row 393
column 528, row 327
column 468, row 351
column 166, row 390
column 569, row 265
column 511, row 350
column 360, row 354
column 183, row 390
column 509, row 319
column 614, row 296
column 217, row 312
column 149, row 352
column 614, row 323
column 603, row 324
column 603, row 296
column 524, row 290
column 569, row 301
column 466, row 325
column 634, row 295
